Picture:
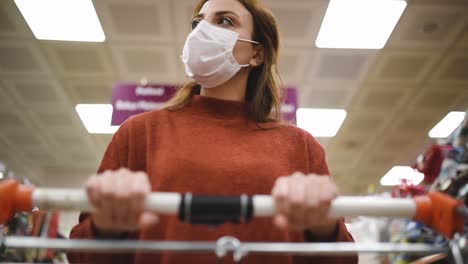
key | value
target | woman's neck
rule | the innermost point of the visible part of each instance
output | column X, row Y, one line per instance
column 233, row 90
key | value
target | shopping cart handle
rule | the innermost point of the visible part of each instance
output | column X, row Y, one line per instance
column 436, row 210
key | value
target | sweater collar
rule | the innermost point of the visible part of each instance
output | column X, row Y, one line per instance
column 217, row 108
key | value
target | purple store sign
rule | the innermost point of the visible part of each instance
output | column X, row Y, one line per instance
column 289, row 105
column 132, row 99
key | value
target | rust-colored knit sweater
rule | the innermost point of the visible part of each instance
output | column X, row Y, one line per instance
column 210, row 147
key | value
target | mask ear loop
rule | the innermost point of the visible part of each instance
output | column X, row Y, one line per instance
column 250, row 41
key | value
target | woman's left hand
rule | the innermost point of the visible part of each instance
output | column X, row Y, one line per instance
column 302, row 203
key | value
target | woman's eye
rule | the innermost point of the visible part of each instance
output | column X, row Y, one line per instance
column 225, row 21
column 195, row 24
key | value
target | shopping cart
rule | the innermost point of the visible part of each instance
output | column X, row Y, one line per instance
column 438, row 211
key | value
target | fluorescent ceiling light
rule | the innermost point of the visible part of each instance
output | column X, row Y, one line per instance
column 320, row 122
column 397, row 174
column 71, row 20
column 359, row 24
column 96, row 118
column 447, row 125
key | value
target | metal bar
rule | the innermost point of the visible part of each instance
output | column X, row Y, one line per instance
column 341, row 248
column 168, row 203
column 106, row 245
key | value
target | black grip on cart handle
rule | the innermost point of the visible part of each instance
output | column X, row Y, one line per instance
column 215, row 210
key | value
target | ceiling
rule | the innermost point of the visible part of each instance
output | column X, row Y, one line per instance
column 393, row 96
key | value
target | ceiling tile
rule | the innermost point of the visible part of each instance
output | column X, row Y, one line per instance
column 18, row 59
column 293, row 21
column 53, row 119
column 397, row 142
column 66, row 140
column 153, row 62
column 10, row 119
column 382, row 99
column 404, row 66
column 95, row 94
column 89, row 90
column 183, row 12
column 341, row 159
column 429, row 26
column 128, row 22
column 39, row 95
column 457, row 69
column 440, row 3
column 462, row 102
column 299, row 23
column 414, row 125
column 398, row 66
column 27, row 140
column 451, row 71
column 363, row 125
column 102, row 139
column 351, row 142
column 135, row 18
column 5, row 99
column 369, row 172
column 335, row 94
column 32, row 91
column 38, row 156
column 80, row 59
column 463, row 42
column 382, row 159
column 69, row 157
column 145, row 61
column 12, row 23
column 436, row 99
column 289, row 65
column 325, row 99
column 6, row 25
column 341, row 66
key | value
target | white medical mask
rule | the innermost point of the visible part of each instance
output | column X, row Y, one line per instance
column 208, row 55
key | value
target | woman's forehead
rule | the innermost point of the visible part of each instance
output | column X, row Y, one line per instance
column 217, row 6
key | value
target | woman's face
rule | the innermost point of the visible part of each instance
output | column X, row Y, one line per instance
column 231, row 15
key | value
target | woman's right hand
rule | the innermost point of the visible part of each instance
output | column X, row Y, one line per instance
column 119, row 198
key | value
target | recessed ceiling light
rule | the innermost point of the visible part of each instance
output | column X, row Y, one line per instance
column 74, row 20
column 359, row 24
column 447, row 125
column 320, row 122
column 398, row 174
column 96, row 118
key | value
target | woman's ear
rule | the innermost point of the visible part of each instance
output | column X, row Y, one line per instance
column 259, row 56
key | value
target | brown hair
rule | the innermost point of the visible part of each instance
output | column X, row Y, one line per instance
column 263, row 94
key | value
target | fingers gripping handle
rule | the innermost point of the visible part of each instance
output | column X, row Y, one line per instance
column 76, row 199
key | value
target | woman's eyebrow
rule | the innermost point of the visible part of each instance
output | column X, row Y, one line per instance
column 218, row 14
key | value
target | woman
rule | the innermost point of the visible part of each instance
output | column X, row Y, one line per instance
column 217, row 136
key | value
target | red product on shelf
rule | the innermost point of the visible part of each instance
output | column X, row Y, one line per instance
column 431, row 162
